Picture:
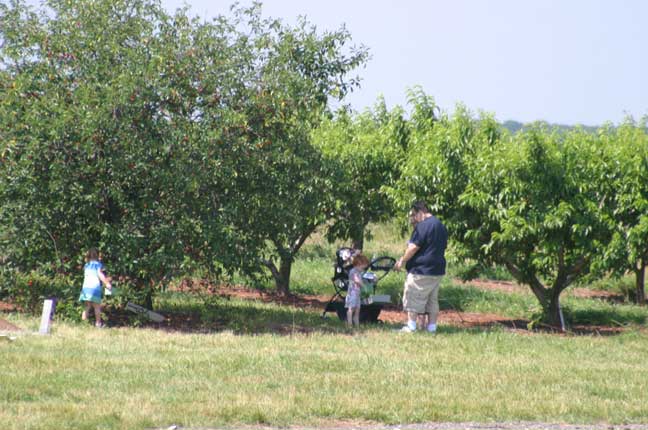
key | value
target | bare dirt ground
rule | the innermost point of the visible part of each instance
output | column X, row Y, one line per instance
column 6, row 326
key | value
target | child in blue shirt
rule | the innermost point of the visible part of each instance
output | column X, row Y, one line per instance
column 91, row 293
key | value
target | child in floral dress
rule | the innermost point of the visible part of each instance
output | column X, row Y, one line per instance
column 352, row 302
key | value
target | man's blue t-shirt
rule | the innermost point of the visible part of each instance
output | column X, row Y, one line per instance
column 431, row 236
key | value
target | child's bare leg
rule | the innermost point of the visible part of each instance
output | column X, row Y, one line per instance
column 84, row 314
column 349, row 317
column 356, row 317
column 97, row 312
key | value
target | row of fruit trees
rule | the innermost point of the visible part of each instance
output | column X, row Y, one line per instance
column 175, row 144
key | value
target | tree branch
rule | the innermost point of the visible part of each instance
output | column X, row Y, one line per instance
column 536, row 286
column 55, row 247
column 561, row 275
column 271, row 266
column 302, row 238
column 576, row 270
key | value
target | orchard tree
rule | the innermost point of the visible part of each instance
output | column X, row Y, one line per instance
column 368, row 148
column 627, row 174
column 138, row 132
column 540, row 209
column 532, row 202
column 288, row 188
column 166, row 141
column 440, row 155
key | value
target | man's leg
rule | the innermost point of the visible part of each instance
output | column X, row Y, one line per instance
column 411, row 320
column 432, row 307
column 414, row 301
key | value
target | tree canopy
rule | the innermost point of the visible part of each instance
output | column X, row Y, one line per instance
column 166, row 141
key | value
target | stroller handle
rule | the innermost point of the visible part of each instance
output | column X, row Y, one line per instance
column 382, row 264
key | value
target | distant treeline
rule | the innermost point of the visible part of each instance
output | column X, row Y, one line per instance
column 515, row 126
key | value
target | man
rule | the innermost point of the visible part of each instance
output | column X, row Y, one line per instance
column 425, row 262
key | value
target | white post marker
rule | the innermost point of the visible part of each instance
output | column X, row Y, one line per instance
column 153, row 316
column 46, row 318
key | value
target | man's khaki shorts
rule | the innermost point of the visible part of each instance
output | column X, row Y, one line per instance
column 421, row 293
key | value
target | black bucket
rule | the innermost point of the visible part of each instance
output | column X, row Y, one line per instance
column 368, row 313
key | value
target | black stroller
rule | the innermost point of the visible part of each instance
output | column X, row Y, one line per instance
column 371, row 306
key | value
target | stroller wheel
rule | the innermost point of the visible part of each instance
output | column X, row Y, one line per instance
column 341, row 312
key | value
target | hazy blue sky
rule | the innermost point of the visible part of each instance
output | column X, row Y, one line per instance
column 566, row 61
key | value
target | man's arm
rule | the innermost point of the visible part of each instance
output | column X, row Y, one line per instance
column 409, row 253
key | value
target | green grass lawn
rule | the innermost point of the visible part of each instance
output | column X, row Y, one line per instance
column 255, row 363
column 82, row 377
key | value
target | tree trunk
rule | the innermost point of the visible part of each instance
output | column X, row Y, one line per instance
column 282, row 277
column 640, row 280
column 536, row 286
column 357, row 238
column 549, row 298
column 148, row 300
column 553, row 314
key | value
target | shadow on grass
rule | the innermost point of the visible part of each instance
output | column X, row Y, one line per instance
column 521, row 326
column 463, row 309
column 614, row 317
column 238, row 316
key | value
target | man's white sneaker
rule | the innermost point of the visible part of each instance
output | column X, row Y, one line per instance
column 405, row 329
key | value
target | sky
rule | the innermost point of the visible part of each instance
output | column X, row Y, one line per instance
column 561, row 61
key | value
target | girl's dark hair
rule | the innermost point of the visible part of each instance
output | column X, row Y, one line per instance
column 92, row 254
column 420, row 207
